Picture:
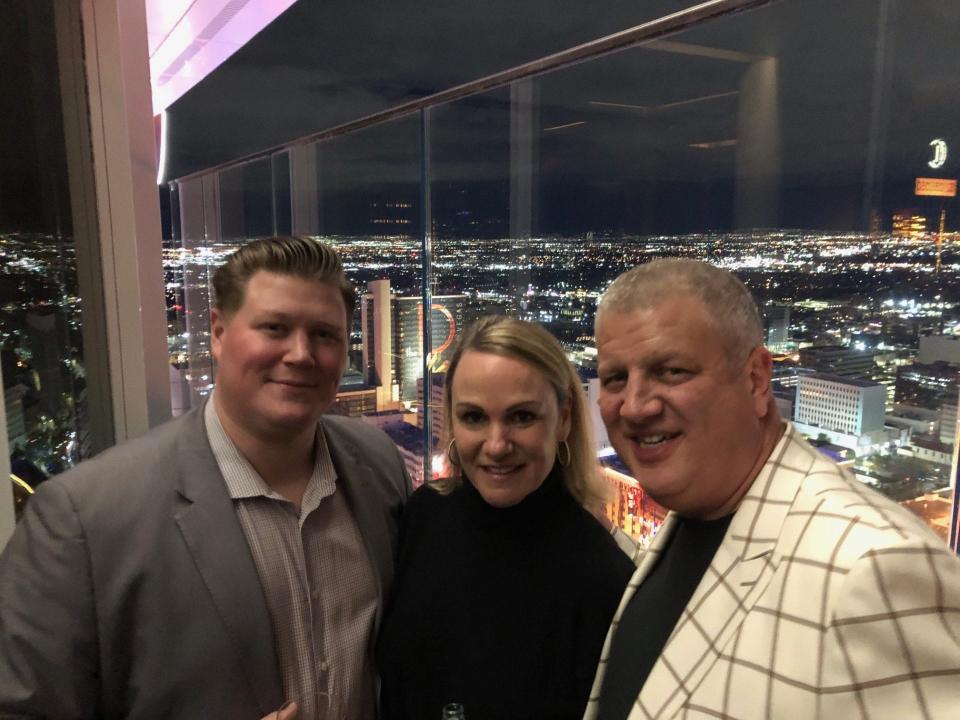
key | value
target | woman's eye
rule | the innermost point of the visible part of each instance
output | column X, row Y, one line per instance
column 471, row 418
column 524, row 417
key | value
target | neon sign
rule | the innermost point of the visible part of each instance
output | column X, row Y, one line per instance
column 939, row 154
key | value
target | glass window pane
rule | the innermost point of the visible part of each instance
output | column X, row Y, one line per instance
column 44, row 378
column 774, row 143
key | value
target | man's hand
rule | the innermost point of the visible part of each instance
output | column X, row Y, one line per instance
column 287, row 711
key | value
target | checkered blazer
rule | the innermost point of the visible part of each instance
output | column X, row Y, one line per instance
column 824, row 600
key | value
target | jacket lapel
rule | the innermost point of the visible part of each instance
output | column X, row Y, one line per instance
column 736, row 578
column 212, row 532
column 356, row 480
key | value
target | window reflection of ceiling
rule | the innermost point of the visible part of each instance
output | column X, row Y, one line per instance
column 189, row 39
column 325, row 62
column 854, row 86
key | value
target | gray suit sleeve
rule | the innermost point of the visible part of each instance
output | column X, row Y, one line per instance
column 48, row 641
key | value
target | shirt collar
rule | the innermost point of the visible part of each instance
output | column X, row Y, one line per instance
column 243, row 481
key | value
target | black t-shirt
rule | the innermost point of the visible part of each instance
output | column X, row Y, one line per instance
column 653, row 612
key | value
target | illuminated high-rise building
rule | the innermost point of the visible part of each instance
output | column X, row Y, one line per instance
column 448, row 317
column 16, row 423
column 909, row 224
column 46, row 335
column 846, row 405
column 393, row 338
column 776, row 325
column 376, row 320
column 927, row 385
column 630, row 508
column 392, row 218
column 354, row 397
column 950, row 420
column 838, row 360
column 940, row 348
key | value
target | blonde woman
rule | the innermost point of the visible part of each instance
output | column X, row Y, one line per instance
column 506, row 583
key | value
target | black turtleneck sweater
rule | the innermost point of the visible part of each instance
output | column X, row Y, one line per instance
column 503, row 610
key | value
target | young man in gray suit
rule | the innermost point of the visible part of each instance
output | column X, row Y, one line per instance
column 779, row 586
column 232, row 563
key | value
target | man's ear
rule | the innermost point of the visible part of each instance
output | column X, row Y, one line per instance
column 217, row 326
column 759, row 371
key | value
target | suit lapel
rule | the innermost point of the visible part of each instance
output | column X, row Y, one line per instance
column 356, row 480
column 214, row 538
column 737, row 576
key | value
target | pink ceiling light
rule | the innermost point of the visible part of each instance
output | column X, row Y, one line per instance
column 188, row 39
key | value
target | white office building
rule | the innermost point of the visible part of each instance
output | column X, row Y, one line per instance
column 848, row 411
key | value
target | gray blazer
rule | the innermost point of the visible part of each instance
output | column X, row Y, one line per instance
column 128, row 589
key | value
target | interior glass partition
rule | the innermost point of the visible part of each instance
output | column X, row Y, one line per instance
column 795, row 144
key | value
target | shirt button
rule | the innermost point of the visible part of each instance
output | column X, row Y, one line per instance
column 323, row 665
column 315, row 594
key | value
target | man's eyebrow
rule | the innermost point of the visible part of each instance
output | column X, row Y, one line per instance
column 658, row 358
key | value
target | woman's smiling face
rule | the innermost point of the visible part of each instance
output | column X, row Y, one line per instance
column 507, row 425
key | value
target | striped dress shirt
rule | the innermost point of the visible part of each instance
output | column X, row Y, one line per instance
column 316, row 578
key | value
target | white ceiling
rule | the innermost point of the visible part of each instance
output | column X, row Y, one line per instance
column 188, row 39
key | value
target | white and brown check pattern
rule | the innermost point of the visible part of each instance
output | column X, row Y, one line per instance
column 824, row 600
column 316, row 578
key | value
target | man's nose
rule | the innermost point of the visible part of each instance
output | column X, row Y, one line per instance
column 299, row 349
column 641, row 402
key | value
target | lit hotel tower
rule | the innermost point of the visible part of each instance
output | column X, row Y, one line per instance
column 377, row 332
column 392, row 330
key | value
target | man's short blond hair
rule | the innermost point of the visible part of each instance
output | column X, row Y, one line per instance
column 301, row 257
column 728, row 303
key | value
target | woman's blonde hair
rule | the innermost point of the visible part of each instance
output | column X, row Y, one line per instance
column 530, row 343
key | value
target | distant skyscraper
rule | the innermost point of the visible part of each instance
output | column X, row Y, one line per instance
column 354, row 396
column 840, row 405
column 376, row 321
column 940, row 348
column 909, row 224
column 46, row 338
column 838, row 360
column 392, row 218
column 16, row 423
column 950, row 419
column 448, row 317
column 776, row 322
column 393, row 337
column 927, row 385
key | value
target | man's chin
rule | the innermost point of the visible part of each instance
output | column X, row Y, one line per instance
column 289, row 422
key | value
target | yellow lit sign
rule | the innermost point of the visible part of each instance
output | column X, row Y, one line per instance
column 936, row 187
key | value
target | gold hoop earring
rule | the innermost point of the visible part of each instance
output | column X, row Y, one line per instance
column 563, row 453
column 451, row 450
